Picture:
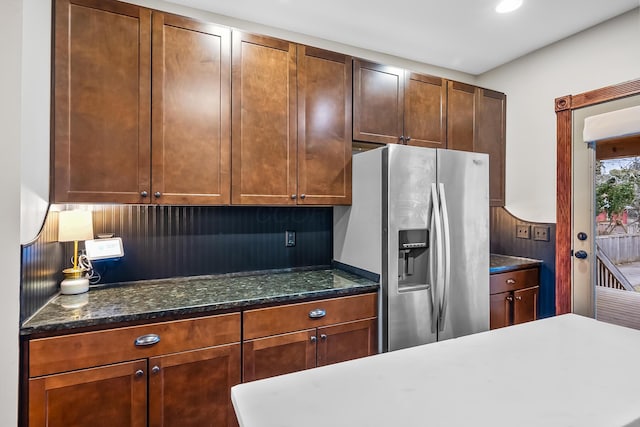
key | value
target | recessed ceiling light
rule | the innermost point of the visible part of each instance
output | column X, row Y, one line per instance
column 506, row 6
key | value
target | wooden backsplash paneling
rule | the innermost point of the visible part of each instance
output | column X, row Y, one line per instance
column 505, row 242
column 172, row 241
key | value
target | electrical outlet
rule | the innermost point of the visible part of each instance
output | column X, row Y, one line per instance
column 523, row 231
column 541, row 232
column 289, row 238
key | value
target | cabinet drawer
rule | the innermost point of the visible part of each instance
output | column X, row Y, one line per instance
column 294, row 317
column 513, row 280
column 88, row 349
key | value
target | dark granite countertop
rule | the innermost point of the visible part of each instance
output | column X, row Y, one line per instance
column 157, row 299
column 504, row 263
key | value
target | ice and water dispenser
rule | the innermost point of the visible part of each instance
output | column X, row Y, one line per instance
column 413, row 262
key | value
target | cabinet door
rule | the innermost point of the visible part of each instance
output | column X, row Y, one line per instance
column 347, row 341
column 193, row 388
column 280, row 354
column 324, row 127
column 525, row 305
column 461, row 111
column 490, row 130
column 263, row 100
column 191, row 114
column 113, row 395
column 102, row 84
column 425, row 110
column 378, row 102
column 500, row 310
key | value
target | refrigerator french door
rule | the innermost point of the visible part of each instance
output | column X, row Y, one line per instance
column 419, row 218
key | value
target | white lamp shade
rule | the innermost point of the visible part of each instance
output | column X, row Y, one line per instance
column 75, row 225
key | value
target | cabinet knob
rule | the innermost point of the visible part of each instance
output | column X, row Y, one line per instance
column 302, row 196
column 401, row 139
column 518, row 298
column 313, row 338
column 509, row 298
column 294, row 196
column 511, row 281
column 144, row 193
column 407, row 139
column 155, row 369
column 149, row 339
column 317, row 313
column 323, row 337
column 139, row 373
column 157, row 194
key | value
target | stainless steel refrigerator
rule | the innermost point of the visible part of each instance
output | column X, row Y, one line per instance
column 420, row 219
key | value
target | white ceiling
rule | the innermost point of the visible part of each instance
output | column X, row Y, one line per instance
column 463, row 35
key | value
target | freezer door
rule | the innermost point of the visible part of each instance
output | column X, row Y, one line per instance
column 463, row 301
column 408, row 243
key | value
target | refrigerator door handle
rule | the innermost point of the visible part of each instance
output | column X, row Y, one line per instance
column 437, row 267
column 446, row 254
column 432, row 254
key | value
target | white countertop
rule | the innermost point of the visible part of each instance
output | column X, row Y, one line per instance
column 561, row 371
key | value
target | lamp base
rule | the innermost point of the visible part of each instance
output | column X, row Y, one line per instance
column 74, row 282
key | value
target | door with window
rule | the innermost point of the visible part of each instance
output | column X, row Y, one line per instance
column 605, row 191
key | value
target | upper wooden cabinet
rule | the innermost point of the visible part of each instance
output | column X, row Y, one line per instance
column 103, row 113
column 392, row 105
column 324, row 127
column 191, row 112
column 290, row 149
column 491, row 139
column 476, row 122
column 378, row 102
column 102, row 92
column 264, row 152
column 425, row 111
column 461, row 110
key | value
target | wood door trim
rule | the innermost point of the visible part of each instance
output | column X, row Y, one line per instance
column 564, row 108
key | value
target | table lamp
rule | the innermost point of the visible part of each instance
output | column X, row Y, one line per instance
column 72, row 227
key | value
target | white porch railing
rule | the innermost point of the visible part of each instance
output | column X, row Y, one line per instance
column 608, row 275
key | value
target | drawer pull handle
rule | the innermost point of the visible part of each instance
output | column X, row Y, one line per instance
column 511, row 281
column 139, row 373
column 149, row 339
column 317, row 313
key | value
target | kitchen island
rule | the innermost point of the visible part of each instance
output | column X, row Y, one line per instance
column 559, row 371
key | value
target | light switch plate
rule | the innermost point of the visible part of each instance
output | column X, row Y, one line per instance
column 523, row 231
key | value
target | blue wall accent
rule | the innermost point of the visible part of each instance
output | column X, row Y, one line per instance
column 505, row 242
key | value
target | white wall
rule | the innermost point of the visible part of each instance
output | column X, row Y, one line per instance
column 10, row 48
column 601, row 56
column 36, row 89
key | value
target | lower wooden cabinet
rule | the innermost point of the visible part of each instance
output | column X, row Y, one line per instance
column 279, row 355
column 192, row 389
column 188, row 388
column 283, row 339
column 107, row 396
column 179, row 373
column 514, row 297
